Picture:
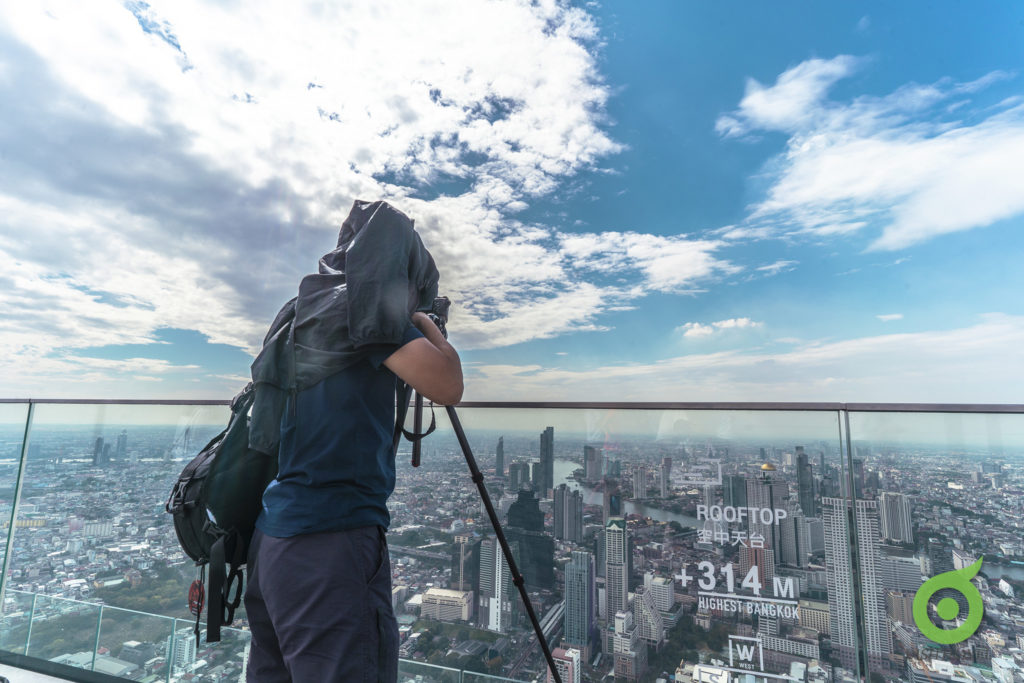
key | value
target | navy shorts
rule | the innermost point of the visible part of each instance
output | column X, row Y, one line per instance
column 319, row 606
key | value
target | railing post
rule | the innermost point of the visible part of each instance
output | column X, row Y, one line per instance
column 860, row 631
column 31, row 618
column 170, row 649
column 17, row 499
column 96, row 645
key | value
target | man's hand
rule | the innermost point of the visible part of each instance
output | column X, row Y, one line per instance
column 431, row 366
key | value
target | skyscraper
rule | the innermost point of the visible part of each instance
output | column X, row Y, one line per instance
column 580, row 626
column 767, row 493
column 122, row 446
column 665, row 477
column 547, row 461
column 896, row 523
column 647, row 617
column 518, row 476
column 536, row 548
column 877, row 636
column 734, row 490
column 499, row 600
column 593, row 465
column 568, row 663
column 612, row 501
column 639, row 482
column 499, row 457
column 568, row 514
column 466, row 563
column 616, row 566
column 97, row 452
column 805, row 483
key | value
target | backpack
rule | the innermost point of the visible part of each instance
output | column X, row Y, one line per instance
column 215, row 503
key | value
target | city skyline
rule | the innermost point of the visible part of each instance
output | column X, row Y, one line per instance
column 672, row 202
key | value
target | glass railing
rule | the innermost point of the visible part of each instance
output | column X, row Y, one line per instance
column 803, row 543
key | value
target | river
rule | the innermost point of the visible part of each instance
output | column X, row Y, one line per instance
column 563, row 474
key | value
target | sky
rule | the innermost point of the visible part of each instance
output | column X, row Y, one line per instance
column 658, row 201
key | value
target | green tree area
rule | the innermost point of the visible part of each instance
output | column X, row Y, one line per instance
column 163, row 590
column 685, row 640
column 436, row 641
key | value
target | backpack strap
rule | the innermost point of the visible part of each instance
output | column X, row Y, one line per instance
column 218, row 576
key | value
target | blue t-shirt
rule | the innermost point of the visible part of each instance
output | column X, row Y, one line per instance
column 336, row 467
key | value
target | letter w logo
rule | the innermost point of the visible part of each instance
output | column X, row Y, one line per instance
column 746, row 652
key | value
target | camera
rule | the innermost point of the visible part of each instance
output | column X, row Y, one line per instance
column 439, row 313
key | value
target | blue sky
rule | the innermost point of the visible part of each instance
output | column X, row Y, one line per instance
column 684, row 201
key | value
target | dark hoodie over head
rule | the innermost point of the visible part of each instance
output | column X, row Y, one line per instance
column 362, row 296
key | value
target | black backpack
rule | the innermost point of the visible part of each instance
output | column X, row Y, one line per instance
column 215, row 503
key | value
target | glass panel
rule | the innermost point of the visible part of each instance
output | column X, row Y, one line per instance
column 418, row 672
column 133, row 644
column 940, row 532
column 91, row 523
column 718, row 537
column 14, row 622
column 64, row 631
column 12, row 433
column 470, row 677
column 223, row 661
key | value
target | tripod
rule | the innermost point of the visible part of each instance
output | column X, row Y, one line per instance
column 478, row 479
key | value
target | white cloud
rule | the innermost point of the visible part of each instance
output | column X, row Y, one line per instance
column 881, row 369
column 889, row 317
column 697, row 330
column 780, row 266
column 897, row 163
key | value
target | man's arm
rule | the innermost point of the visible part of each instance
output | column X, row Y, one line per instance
column 431, row 366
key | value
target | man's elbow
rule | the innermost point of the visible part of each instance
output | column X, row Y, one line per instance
column 451, row 394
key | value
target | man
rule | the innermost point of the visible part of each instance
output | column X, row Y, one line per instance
column 319, row 591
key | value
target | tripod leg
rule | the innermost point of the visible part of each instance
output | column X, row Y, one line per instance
column 517, row 578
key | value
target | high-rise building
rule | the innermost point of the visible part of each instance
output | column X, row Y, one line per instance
column 612, row 501
column 794, row 539
column 499, row 457
column 580, row 628
column 121, row 452
column 499, row 600
column 536, row 548
column 838, row 566
column 466, row 563
column 442, row 604
column 647, row 617
column 568, row 514
column 593, row 463
column 896, row 522
column 805, row 483
column 662, row 590
column 665, row 477
column 734, row 490
column 766, row 492
column 567, row 661
column 97, row 452
column 537, row 476
column 518, row 476
column 616, row 566
column 547, row 461
column 639, row 482
column 628, row 650
column 183, row 650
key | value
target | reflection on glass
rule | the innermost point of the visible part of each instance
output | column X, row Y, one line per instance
column 13, row 417
column 941, row 543
column 63, row 631
column 651, row 542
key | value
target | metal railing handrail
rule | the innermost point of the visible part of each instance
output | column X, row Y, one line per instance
column 811, row 406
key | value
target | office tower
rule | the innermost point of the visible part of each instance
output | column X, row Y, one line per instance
column 896, row 521
column 183, row 649
column 580, row 627
column 639, row 482
column 794, row 539
column 614, row 469
column 568, row 663
column 647, row 617
column 547, row 461
column 466, row 563
column 662, row 591
column 536, row 548
column 858, row 478
column 97, row 452
column 121, row 451
column 805, row 484
column 665, row 478
column 593, row 463
column 765, row 492
column 838, row 569
column 499, row 598
column 629, row 651
column 612, row 501
column 537, row 477
column 518, row 476
column 901, row 570
column 764, row 454
column 568, row 514
column 616, row 566
column 599, row 554
column 734, row 490
column 499, row 457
